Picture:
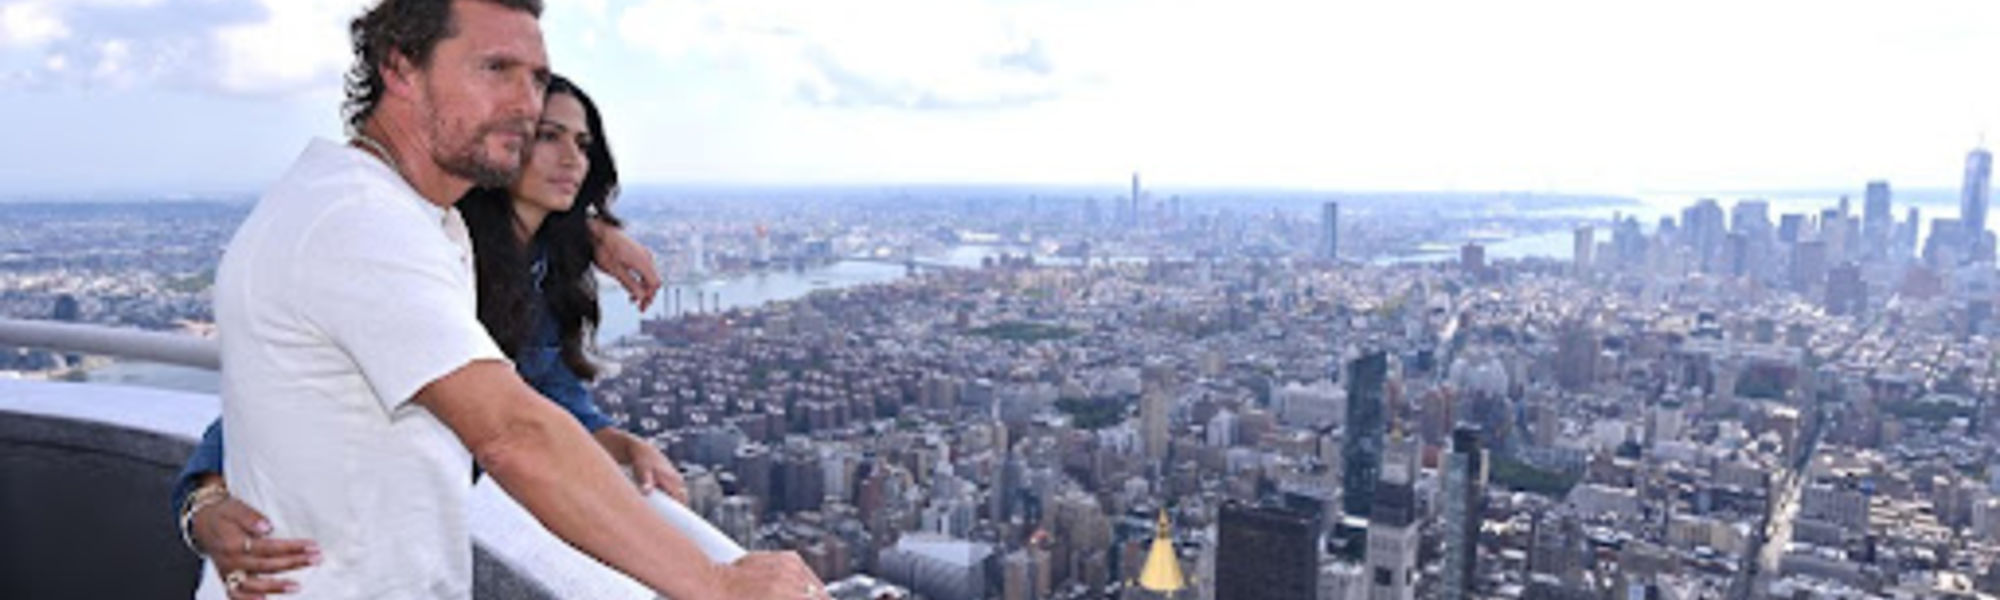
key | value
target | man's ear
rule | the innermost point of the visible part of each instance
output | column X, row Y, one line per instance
column 399, row 77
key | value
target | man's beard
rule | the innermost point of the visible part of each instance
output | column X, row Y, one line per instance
column 467, row 159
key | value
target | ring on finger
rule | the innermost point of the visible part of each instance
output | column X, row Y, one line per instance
column 234, row 580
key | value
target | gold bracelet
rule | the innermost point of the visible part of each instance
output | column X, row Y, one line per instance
column 201, row 498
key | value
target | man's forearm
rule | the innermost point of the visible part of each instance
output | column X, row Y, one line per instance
column 551, row 467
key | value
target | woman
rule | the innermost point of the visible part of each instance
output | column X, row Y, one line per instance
column 533, row 246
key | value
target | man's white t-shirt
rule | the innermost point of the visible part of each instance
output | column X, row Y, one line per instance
column 341, row 296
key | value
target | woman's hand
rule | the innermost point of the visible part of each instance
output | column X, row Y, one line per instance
column 654, row 471
column 235, row 537
column 627, row 261
column 650, row 468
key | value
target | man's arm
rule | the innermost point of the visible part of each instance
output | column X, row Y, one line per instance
column 552, row 467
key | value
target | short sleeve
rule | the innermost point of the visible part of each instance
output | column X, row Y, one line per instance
column 207, row 458
column 391, row 290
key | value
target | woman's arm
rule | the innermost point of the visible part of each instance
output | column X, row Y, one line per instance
column 627, row 261
column 231, row 533
column 562, row 385
column 649, row 465
column 207, row 459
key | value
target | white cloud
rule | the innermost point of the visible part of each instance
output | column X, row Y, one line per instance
column 301, row 44
column 254, row 47
column 897, row 53
column 112, row 56
column 29, row 23
column 1536, row 94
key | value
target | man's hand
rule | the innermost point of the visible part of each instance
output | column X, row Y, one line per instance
column 538, row 454
column 627, row 261
column 234, row 536
column 770, row 575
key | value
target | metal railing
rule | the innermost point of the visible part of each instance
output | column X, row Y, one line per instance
column 203, row 353
column 186, row 351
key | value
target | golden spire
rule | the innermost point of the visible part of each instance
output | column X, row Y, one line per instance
column 1163, row 568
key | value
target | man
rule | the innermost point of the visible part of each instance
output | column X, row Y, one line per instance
column 356, row 374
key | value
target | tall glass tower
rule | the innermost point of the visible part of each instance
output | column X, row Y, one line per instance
column 1972, row 204
column 1361, row 447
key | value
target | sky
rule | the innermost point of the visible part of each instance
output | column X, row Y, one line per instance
column 1587, row 96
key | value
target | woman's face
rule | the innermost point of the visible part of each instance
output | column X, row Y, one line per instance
column 556, row 159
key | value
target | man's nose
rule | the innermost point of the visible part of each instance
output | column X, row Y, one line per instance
column 525, row 99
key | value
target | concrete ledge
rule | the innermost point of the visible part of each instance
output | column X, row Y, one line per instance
column 85, row 475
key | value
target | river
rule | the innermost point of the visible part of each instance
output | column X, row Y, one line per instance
column 620, row 318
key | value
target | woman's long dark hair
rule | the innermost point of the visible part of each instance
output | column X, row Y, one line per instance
column 506, row 286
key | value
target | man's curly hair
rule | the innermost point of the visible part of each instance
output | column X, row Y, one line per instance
column 411, row 28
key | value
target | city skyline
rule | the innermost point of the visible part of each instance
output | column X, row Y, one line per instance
column 999, row 396
column 1090, row 299
column 173, row 96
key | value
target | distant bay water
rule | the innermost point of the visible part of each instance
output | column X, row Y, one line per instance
column 620, row 318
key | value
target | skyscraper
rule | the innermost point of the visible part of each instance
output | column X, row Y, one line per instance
column 1361, row 445
column 1878, row 220
column 1464, row 512
column 1628, row 242
column 1791, row 229
column 1944, row 248
column 1972, row 205
column 1833, row 230
column 1703, row 228
column 1846, row 294
column 1133, row 212
column 1749, row 245
column 1392, row 526
column 1739, row 255
column 1808, row 266
column 1905, row 242
column 1752, row 218
column 1577, row 352
column 1585, row 242
column 1155, row 397
column 1472, row 258
column 1329, row 231
column 1265, row 554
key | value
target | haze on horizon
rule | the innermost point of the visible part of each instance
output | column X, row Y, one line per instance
column 172, row 96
